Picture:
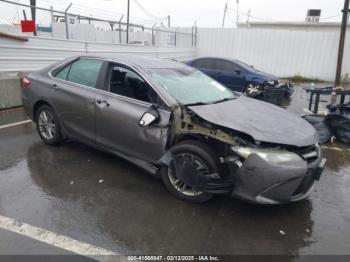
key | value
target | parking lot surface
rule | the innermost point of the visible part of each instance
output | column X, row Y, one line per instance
column 76, row 192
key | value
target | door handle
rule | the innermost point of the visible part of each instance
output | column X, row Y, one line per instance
column 54, row 87
column 101, row 102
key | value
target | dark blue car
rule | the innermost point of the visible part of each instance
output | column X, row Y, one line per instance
column 240, row 77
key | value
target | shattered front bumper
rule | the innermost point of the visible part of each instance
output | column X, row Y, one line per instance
column 287, row 88
column 264, row 182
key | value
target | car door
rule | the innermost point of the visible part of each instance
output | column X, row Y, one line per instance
column 119, row 110
column 230, row 75
column 73, row 97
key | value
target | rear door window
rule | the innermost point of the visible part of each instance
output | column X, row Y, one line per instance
column 63, row 73
column 85, row 72
column 82, row 71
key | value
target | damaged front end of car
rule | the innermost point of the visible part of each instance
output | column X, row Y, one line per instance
column 251, row 170
column 276, row 175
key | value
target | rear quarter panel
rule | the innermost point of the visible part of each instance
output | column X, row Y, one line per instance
column 38, row 90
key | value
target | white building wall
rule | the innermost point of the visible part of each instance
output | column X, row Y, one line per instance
column 283, row 53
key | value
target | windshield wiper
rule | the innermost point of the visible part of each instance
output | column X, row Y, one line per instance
column 223, row 100
column 209, row 103
column 196, row 104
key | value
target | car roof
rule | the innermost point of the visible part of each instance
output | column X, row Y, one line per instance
column 140, row 61
column 217, row 57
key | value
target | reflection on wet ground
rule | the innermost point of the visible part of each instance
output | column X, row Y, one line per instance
column 100, row 199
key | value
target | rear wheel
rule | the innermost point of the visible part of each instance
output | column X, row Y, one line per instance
column 48, row 126
column 192, row 159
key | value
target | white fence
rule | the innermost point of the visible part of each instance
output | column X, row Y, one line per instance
column 284, row 53
column 39, row 52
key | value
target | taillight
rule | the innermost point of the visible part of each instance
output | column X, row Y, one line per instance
column 25, row 82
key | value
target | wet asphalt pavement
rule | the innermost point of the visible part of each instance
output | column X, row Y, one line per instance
column 100, row 199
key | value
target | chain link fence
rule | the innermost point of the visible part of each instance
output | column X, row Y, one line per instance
column 52, row 23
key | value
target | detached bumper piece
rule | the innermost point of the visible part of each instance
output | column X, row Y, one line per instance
column 214, row 184
column 262, row 182
column 276, row 93
column 273, row 95
column 288, row 89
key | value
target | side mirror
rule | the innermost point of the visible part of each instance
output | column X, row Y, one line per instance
column 149, row 117
column 238, row 71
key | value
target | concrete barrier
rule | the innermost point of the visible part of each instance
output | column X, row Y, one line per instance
column 10, row 91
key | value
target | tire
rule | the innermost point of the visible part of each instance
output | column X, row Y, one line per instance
column 201, row 153
column 48, row 127
column 250, row 94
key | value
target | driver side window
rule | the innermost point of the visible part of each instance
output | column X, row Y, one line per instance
column 122, row 81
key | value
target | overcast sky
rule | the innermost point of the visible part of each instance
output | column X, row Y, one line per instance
column 207, row 13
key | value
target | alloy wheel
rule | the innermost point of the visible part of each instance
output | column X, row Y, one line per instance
column 196, row 164
column 47, row 126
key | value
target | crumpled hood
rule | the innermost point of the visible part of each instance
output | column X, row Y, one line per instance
column 263, row 121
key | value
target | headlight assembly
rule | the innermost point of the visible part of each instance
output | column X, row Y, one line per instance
column 269, row 155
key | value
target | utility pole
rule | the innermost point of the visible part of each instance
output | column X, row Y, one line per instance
column 127, row 23
column 248, row 16
column 51, row 16
column 237, row 13
column 195, row 33
column 153, row 35
column 192, row 32
column 52, row 19
column 175, row 39
column 168, row 20
column 33, row 11
column 223, row 19
column 24, row 14
column 340, row 49
column 120, row 29
column 66, row 20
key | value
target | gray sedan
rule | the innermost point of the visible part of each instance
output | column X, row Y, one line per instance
column 178, row 124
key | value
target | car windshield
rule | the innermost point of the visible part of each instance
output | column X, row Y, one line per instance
column 190, row 86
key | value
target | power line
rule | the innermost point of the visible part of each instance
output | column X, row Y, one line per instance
column 146, row 12
column 330, row 17
column 88, row 10
column 223, row 19
column 249, row 14
column 64, row 4
column 16, row 14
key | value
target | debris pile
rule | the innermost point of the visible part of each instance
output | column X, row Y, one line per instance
column 335, row 123
column 338, row 119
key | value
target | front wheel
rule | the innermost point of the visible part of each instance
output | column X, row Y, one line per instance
column 192, row 159
column 253, row 90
